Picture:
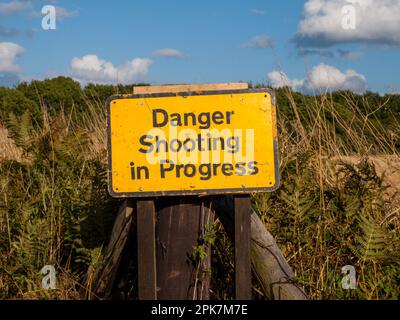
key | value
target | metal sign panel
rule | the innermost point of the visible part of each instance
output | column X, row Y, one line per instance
column 192, row 143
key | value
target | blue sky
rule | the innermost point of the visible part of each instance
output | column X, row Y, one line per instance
column 299, row 43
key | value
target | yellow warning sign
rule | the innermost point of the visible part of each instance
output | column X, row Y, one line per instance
column 192, row 143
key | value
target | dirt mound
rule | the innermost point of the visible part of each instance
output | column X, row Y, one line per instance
column 8, row 149
column 387, row 167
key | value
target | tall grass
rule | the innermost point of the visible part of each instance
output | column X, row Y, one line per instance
column 328, row 213
column 54, row 208
column 333, row 207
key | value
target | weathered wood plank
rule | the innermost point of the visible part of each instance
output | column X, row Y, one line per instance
column 189, row 88
column 242, row 205
column 146, row 245
column 181, row 221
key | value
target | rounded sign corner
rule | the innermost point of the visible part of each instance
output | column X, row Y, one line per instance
column 276, row 185
column 112, row 193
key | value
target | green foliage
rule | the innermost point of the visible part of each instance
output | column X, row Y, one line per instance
column 13, row 101
column 223, row 276
column 372, row 242
column 332, row 225
column 56, row 206
column 101, row 92
column 204, row 242
column 56, row 94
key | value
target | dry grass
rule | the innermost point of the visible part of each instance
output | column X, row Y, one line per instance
column 95, row 125
column 69, row 195
column 314, row 237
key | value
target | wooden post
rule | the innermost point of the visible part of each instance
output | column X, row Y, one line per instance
column 181, row 221
column 146, row 225
column 242, row 207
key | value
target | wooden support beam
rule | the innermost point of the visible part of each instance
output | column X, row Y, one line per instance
column 190, row 88
column 242, row 205
column 146, row 225
column 101, row 282
column 269, row 265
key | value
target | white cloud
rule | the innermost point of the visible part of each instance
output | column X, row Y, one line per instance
column 279, row 79
column 321, row 78
column 17, row 6
column 90, row 68
column 261, row 42
column 257, row 12
column 377, row 22
column 330, row 78
column 8, row 53
column 62, row 13
column 13, row 7
column 13, row 32
column 169, row 53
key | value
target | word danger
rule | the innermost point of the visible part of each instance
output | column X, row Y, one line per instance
column 204, row 171
column 204, row 119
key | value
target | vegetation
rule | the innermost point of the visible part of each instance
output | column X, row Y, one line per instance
column 334, row 207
